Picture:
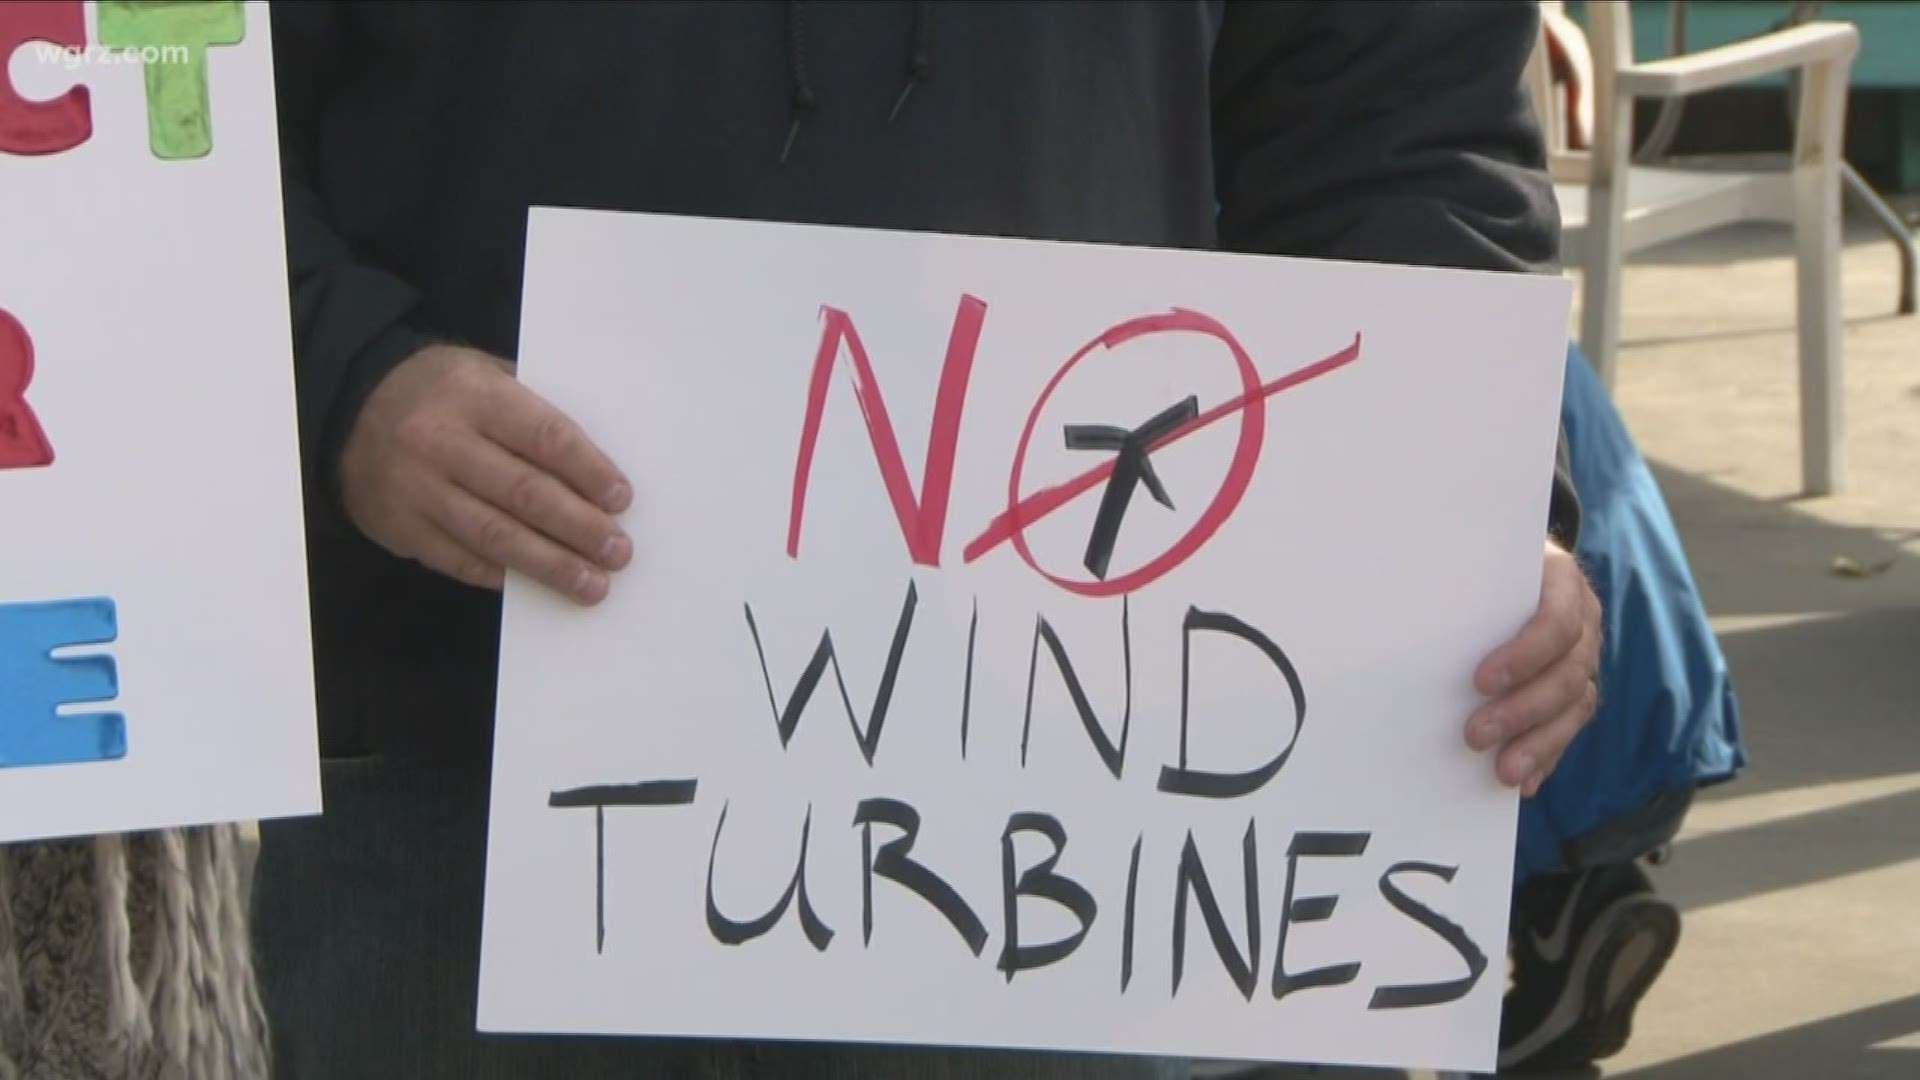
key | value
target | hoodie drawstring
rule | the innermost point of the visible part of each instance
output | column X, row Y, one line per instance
column 804, row 103
column 918, row 62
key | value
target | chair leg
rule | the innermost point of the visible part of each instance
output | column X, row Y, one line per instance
column 1605, row 243
column 1903, row 240
column 1817, row 224
column 1600, row 296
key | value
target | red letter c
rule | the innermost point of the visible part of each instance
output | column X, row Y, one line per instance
column 42, row 127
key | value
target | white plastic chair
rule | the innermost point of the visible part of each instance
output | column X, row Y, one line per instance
column 1612, row 208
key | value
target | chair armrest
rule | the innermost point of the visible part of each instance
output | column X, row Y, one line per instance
column 1769, row 54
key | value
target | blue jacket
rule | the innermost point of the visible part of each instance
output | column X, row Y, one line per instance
column 1668, row 716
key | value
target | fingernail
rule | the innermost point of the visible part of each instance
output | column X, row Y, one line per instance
column 615, row 552
column 618, row 497
column 1488, row 731
column 1527, row 766
column 590, row 585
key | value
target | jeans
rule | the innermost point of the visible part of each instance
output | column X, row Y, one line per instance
column 368, row 927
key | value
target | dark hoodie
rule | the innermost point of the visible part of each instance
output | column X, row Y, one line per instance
column 416, row 135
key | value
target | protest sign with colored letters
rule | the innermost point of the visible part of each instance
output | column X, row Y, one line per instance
column 155, row 666
column 1027, row 645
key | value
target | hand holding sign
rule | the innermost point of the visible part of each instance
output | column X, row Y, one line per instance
column 455, row 464
column 1543, row 681
column 1055, row 656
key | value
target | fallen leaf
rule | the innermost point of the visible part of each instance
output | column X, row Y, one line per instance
column 1853, row 568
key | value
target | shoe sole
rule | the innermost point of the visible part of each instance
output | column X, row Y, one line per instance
column 1620, row 965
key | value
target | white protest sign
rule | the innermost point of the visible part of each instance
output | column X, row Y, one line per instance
column 1028, row 645
column 155, row 667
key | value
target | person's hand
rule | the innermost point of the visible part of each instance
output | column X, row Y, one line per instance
column 1542, row 683
column 456, row 465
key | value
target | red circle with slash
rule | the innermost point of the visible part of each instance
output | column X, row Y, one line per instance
column 1246, row 455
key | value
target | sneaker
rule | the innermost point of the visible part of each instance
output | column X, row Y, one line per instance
column 1585, row 948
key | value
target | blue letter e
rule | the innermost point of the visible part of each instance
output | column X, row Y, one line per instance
column 34, row 684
